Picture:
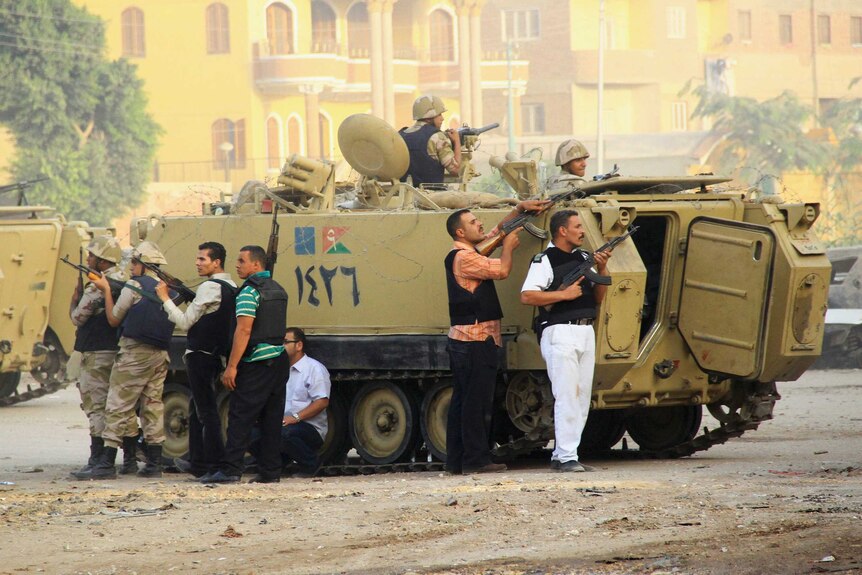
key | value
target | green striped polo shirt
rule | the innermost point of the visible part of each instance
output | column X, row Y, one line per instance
column 247, row 303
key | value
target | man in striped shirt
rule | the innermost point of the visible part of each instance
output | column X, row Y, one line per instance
column 255, row 372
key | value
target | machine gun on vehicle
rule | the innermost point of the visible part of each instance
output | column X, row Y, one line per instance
column 467, row 131
column 184, row 293
column 20, row 187
column 93, row 275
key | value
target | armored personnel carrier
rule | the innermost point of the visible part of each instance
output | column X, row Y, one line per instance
column 721, row 294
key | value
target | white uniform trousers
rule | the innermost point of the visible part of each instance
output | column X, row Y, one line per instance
column 570, row 354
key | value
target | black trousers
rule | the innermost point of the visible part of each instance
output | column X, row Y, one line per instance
column 259, row 396
column 206, row 446
column 300, row 442
column 474, row 377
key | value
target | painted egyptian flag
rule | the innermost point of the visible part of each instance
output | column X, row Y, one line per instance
column 332, row 243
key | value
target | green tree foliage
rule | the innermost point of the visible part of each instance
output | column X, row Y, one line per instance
column 77, row 117
column 763, row 140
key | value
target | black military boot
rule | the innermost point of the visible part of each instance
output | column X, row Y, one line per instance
column 97, row 445
column 104, row 467
column 130, row 461
column 153, row 468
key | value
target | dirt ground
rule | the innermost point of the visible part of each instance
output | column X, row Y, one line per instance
column 786, row 498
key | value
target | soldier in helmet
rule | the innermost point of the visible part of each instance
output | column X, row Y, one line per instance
column 96, row 341
column 140, row 368
column 432, row 152
column 572, row 158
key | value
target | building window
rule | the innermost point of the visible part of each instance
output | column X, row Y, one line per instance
column 675, row 22
column 785, row 29
column 856, row 30
column 323, row 34
column 824, row 29
column 279, row 29
column 679, row 116
column 358, row 31
column 218, row 32
column 745, row 25
column 533, row 119
column 521, row 24
column 441, row 37
column 132, row 23
column 226, row 132
column 294, row 136
column 273, row 143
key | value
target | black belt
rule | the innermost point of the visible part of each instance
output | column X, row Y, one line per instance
column 579, row 321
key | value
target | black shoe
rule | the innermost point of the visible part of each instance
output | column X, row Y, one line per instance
column 555, row 464
column 153, row 468
column 104, row 468
column 184, row 466
column 574, row 466
column 219, row 477
column 490, row 468
column 264, row 479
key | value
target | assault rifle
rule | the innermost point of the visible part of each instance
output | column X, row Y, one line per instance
column 93, row 275
column 466, row 131
column 584, row 269
column 272, row 246
column 488, row 246
column 185, row 294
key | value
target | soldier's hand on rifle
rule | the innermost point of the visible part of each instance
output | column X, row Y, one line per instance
column 453, row 135
column 101, row 283
column 162, row 291
column 532, row 205
column 574, row 291
column 601, row 259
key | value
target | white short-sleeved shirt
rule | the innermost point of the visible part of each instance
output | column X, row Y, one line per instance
column 308, row 382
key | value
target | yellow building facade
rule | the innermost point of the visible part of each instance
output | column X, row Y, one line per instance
column 239, row 85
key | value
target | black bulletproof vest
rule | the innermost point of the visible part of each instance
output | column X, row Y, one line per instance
column 270, row 321
column 423, row 168
column 582, row 307
column 97, row 334
column 146, row 321
column 467, row 308
column 213, row 332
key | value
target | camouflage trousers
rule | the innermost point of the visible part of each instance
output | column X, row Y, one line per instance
column 138, row 376
column 93, row 386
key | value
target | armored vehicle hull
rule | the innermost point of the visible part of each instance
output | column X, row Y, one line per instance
column 714, row 300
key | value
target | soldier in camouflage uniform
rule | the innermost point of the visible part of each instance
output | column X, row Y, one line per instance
column 96, row 340
column 572, row 158
column 139, row 371
column 432, row 151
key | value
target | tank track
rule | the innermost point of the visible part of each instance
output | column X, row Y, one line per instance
column 46, row 388
column 756, row 407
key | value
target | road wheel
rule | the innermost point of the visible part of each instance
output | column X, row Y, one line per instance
column 176, row 398
column 662, row 427
column 9, row 383
column 604, row 429
column 52, row 369
column 383, row 423
column 435, row 411
column 336, row 443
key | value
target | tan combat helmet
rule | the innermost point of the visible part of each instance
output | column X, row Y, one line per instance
column 105, row 248
column 149, row 253
column 570, row 150
column 427, row 107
